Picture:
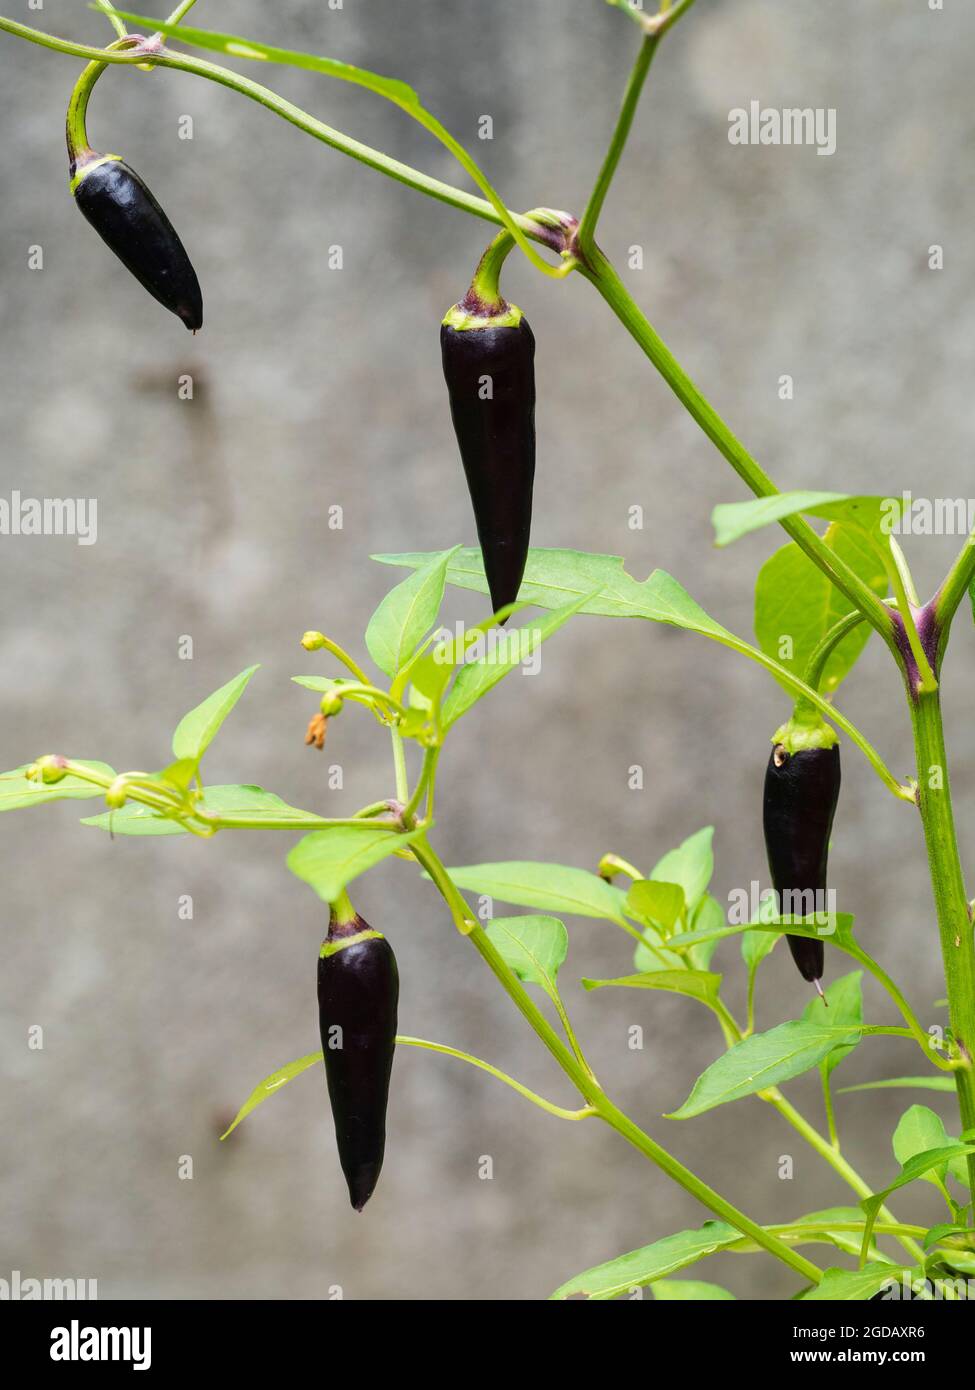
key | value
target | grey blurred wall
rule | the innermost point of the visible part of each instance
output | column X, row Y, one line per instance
column 316, row 387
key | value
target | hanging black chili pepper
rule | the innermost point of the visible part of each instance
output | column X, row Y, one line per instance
column 358, row 991
column 801, row 790
column 488, row 353
column 127, row 217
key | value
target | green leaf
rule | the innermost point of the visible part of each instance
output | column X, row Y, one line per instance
column 407, row 614
column 761, row 1061
column 197, row 730
column 512, row 647
column 708, row 917
column 534, row 947
column 549, row 887
column 556, row 577
column 16, row 791
column 914, row 1169
column 796, row 603
column 691, row 865
column 917, row 1083
column 840, row 935
column 822, row 1225
column 642, row 1267
column 253, row 802
column 854, row 1285
column 947, row 1233
column 329, row 859
column 271, row 1085
column 843, row 1008
column 237, row 47
column 919, row 1130
column 430, row 673
column 698, row 984
column 659, row 903
column 689, row 1290
column 731, row 520
column 755, row 946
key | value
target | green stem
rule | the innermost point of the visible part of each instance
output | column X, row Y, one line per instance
column 834, row 1137
column 109, row 12
column 904, row 570
column 399, row 764
column 364, row 154
column 950, row 899
column 599, row 271
column 323, row 643
column 954, row 588
column 427, row 774
column 824, row 649
column 342, row 909
column 181, row 9
column 895, row 574
column 584, row 1114
column 817, row 701
column 834, row 1158
column 587, row 226
column 485, row 287
column 591, row 1092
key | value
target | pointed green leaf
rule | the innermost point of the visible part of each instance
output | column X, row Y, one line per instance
column 235, row 46
column 197, row 730
column 271, row 1085
column 691, row 865
column 16, row 791
column 837, row 931
column 697, row 984
column 330, row 859
column 534, row 947
column 556, row 577
column 796, row 604
column 912, row 1170
column 406, row 615
column 917, row 1083
column 854, row 1285
column 920, row 1130
column 731, row 520
column 549, row 887
column 641, row 1267
column 659, row 903
column 511, row 648
column 843, row 1007
column 761, row 1061
column 708, row 916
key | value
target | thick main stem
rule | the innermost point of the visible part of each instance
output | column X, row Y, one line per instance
column 586, row 1084
column 950, row 900
column 598, row 270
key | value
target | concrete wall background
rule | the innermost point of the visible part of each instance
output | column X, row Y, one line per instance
column 316, row 387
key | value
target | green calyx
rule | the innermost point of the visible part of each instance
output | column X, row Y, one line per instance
column 806, row 729
column 467, row 315
column 85, row 169
column 331, row 948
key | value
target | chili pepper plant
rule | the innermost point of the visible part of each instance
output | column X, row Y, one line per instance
column 841, row 578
